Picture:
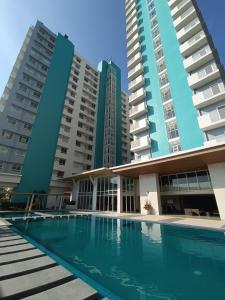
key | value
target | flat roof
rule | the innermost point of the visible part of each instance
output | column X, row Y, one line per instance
column 196, row 159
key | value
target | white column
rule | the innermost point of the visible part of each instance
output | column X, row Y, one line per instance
column 94, row 197
column 217, row 174
column 149, row 191
column 119, row 194
column 75, row 192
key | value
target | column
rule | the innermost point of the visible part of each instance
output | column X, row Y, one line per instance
column 119, row 194
column 75, row 192
column 94, row 199
column 217, row 174
column 149, row 191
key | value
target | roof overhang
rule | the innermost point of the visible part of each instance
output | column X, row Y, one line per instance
column 91, row 173
column 183, row 162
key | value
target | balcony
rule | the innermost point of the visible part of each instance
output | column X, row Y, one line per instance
column 137, row 96
column 206, row 123
column 132, row 32
column 185, row 18
column 180, row 8
column 134, row 40
column 134, row 60
column 128, row 4
column 136, row 83
column 139, row 126
column 138, row 110
column 132, row 23
column 189, row 30
column 136, row 71
column 130, row 9
column 198, row 59
column 141, row 144
column 131, row 16
column 173, row 3
column 136, row 48
column 210, row 95
column 204, row 76
column 193, row 44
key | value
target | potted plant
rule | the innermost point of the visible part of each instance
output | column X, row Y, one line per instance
column 148, row 207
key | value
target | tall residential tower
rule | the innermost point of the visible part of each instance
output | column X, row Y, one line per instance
column 49, row 111
column 176, row 78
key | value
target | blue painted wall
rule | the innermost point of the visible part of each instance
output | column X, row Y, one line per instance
column 186, row 114
column 103, row 67
column 157, row 131
column 39, row 160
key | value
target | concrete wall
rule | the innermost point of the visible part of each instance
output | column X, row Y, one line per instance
column 149, row 191
column 217, row 174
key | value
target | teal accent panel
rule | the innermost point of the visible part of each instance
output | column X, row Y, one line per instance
column 118, row 115
column 99, row 140
column 157, row 129
column 186, row 114
column 39, row 160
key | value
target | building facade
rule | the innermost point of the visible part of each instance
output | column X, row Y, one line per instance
column 49, row 112
column 176, row 78
column 177, row 119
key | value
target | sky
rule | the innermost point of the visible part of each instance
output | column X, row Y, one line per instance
column 96, row 27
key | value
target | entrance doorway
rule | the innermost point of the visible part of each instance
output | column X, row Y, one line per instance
column 194, row 205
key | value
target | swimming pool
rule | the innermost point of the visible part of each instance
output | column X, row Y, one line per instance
column 137, row 260
column 7, row 215
column 57, row 212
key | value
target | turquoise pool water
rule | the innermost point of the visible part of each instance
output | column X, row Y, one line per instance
column 16, row 215
column 138, row 260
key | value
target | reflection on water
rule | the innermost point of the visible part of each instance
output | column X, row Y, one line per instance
column 138, row 260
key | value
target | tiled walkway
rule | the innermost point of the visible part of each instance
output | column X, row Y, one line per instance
column 200, row 222
column 28, row 273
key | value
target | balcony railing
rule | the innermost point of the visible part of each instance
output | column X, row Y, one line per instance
column 210, row 95
column 140, row 144
column 137, row 96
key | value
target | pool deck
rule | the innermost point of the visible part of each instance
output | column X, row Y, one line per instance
column 28, row 273
column 181, row 220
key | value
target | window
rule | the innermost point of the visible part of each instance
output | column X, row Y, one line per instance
column 11, row 120
column 221, row 110
column 60, row 174
column 159, row 54
column 62, row 162
column 71, row 102
column 172, row 130
column 161, row 66
column 166, row 94
column 69, row 110
column 23, row 139
column 16, row 167
column 36, row 94
column 169, row 111
column 33, row 104
column 3, row 149
column 7, row 134
column 68, row 119
column 63, row 150
column 78, row 143
column 163, row 79
column 175, row 147
column 157, row 42
column 27, row 126
column 19, row 152
column 155, row 32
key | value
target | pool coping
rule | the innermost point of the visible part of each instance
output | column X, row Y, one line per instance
column 173, row 220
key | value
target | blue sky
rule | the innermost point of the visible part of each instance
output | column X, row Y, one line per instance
column 96, row 27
